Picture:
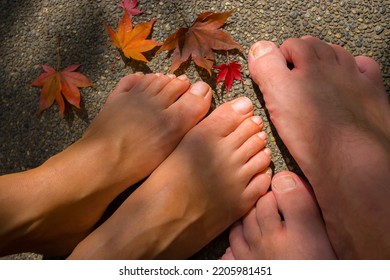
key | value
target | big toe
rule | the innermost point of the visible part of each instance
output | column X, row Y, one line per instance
column 266, row 64
column 302, row 216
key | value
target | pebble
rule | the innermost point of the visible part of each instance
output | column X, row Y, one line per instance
column 379, row 29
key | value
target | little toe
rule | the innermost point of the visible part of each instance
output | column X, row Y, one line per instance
column 370, row 68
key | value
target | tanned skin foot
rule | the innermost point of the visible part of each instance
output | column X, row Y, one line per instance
column 286, row 223
column 332, row 113
column 51, row 208
column 215, row 176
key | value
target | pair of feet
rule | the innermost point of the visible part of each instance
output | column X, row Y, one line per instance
column 331, row 112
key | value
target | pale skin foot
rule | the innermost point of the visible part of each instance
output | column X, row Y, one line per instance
column 332, row 113
column 215, row 175
column 298, row 234
column 51, row 208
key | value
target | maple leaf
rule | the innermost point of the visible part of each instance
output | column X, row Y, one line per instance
column 228, row 73
column 56, row 85
column 132, row 42
column 129, row 7
column 199, row 41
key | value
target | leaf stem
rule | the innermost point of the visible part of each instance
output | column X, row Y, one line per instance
column 58, row 53
column 227, row 55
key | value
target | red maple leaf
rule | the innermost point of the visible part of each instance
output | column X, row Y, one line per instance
column 58, row 84
column 129, row 7
column 199, row 40
column 228, row 73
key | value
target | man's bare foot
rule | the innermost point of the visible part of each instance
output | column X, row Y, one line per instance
column 332, row 113
column 215, row 175
column 285, row 224
column 53, row 207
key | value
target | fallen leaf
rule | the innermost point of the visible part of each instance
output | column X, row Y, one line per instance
column 132, row 42
column 199, row 41
column 129, row 7
column 56, row 85
column 228, row 73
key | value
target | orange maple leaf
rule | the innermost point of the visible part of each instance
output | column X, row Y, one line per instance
column 199, row 41
column 56, row 84
column 132, row 42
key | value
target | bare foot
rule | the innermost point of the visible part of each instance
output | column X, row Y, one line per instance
column 53, row 207
column 214, row 176
column 266, row 235
column 332, row 113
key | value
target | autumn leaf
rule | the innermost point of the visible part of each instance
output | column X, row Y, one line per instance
column 132, row 41
column 130, row 7
column 199, row 41
column 56, row 85
column 228, row 73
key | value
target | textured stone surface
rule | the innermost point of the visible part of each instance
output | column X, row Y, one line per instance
column 29, row 32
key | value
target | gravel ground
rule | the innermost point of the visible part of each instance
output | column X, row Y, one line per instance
column 29, row 32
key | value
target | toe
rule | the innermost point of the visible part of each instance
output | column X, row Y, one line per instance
column 226, row 118
column 238, row 244
column 323, row 50
column 245, row 131
column 127, row 83
column 252, row 146
column 159, row 83
column 370, row 68
column 191, row 107
column 267, row 214
column 302, row 216
column 257, row 163
column 174, row 89
column 294, row 199
column 300, row 53
column 144, row 83
column 267, row 64
column 228, row 255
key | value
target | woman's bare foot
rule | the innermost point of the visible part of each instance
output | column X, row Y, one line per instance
column 215, row 175
column 298, row 234
column 332, row 113
column 51, row 208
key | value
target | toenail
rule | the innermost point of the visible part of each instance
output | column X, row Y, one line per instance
column 284, row 183
column 268, row 152
column 257, row 120
column 269, row 172
column 262, row 135
column 183, row 77
column 242, row 105
column 172, row 76
column 200, row 89
column 261, row 48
